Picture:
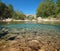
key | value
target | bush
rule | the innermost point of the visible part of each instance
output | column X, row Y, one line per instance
column 58, row 16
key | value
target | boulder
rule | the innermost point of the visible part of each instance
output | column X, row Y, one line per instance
column 34, row 44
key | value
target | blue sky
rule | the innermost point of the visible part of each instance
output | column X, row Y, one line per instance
column 26, row 6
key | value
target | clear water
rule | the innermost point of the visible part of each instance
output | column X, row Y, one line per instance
column 34, row 27
column 31, row 26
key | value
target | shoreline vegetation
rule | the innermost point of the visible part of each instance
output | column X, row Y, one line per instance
column 47, row 11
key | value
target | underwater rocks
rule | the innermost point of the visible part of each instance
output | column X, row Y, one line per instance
column 29, row 40
column 34, row 44
column 3, row 32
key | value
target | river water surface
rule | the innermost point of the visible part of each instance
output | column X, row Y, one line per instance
column 55, row 29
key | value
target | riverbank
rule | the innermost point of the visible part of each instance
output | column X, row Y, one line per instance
column 38, row 20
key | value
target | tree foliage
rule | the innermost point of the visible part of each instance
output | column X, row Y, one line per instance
column 3, row 8
column 19, row 15
column 58, row 5
column 10, row 11
column 47, row 8
column 7, row 11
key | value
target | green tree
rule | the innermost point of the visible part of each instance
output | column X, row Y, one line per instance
column 19, row 15
column 46, row 8
column 6, row 11
column 10, row 11
column 3, row 9
column 58, row 5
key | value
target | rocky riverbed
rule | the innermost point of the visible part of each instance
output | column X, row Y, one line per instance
column 27, row 40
